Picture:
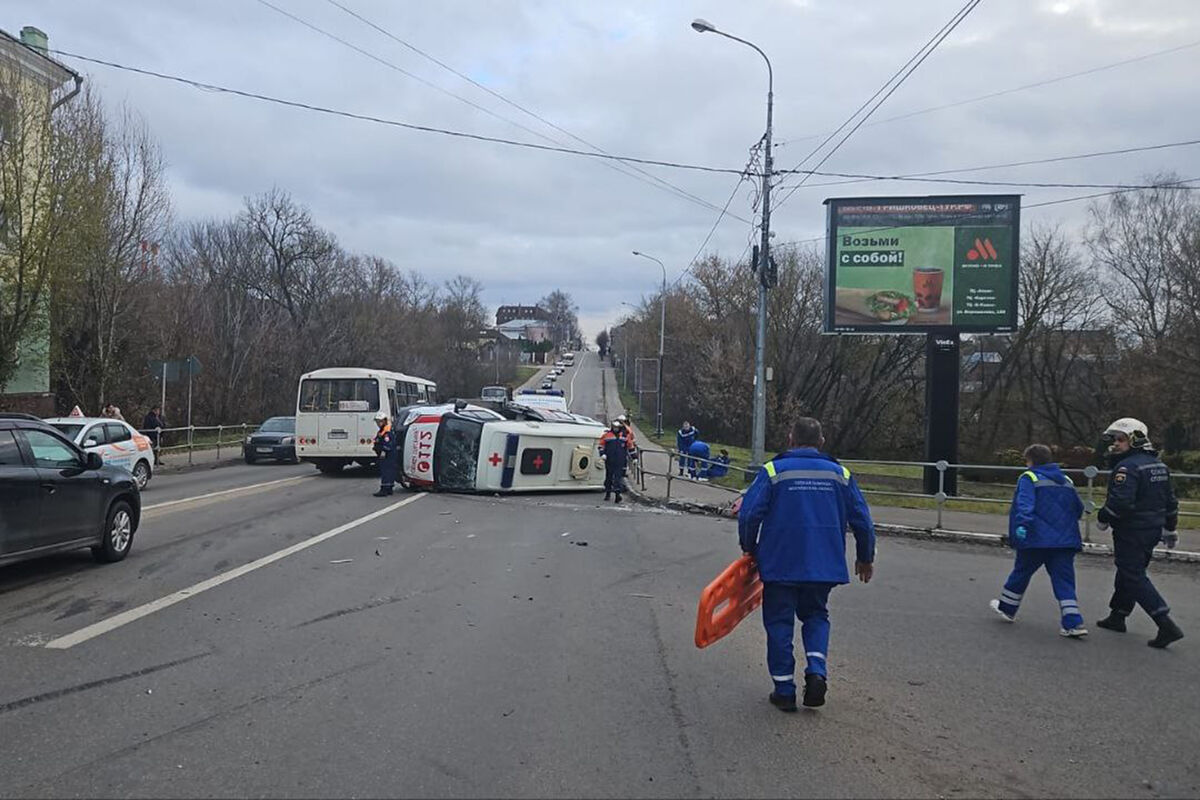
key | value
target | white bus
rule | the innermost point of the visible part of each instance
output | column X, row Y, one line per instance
column 569, row 358
column 335, row 412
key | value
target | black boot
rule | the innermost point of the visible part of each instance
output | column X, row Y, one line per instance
column 607, row 496
column 1168, row 632
column 617, row 498
column 784, row 702
column 1113, row 622
column 814, row 690
column 383, row 492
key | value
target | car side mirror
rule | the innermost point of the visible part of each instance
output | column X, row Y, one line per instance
column 93, row 461
column 90, row 443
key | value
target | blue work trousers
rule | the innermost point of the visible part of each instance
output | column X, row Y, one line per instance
column 783, row 603
column 1060, row 566
column 1132, row 552
column 388, row 464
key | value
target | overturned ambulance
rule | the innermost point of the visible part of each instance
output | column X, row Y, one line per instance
column 472, row 448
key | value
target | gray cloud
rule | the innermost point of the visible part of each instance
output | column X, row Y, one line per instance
column 634, row 79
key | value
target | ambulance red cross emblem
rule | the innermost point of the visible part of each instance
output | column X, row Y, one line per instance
column 495, row 459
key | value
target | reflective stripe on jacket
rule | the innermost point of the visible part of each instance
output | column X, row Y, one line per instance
column 794, row 519
column 1046, row 504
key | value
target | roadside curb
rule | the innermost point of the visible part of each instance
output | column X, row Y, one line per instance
column 910, row 532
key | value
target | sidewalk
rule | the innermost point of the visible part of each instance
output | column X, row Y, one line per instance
column 705, row 497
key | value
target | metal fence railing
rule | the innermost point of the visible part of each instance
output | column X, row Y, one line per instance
column 987, row 484
column 206, row 440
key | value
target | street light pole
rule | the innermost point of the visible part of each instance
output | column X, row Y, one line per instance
column 759, row 431
column 662, row 336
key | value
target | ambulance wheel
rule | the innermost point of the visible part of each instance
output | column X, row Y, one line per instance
column 141, row 474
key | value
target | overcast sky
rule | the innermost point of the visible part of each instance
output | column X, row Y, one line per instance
column 633, row 79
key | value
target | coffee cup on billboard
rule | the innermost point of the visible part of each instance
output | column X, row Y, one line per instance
column 927, row 287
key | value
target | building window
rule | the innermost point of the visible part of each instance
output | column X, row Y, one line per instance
column 8, row 118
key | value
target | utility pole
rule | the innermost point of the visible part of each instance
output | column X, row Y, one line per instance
column 765, row 273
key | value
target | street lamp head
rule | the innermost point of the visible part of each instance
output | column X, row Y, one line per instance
column 636, row 253
column 703, row 26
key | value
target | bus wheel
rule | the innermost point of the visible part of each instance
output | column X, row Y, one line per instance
column 329, row 466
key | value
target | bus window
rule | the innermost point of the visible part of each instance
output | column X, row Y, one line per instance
column 411, row 395
column 392, row 400
column 457, row 453
column 339, row 394
column 430, row 391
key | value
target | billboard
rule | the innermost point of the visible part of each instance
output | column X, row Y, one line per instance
column 922, row 264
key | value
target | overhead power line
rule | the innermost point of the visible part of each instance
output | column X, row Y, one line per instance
column 895, row 83
column 1054, row 160
column 1026, row 206
column 296, row 104
column 663, row 183
column 397, row 68
column 1011, row 90
column 478, row 137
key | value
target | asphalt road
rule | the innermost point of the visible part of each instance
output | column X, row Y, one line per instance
column 475, row 646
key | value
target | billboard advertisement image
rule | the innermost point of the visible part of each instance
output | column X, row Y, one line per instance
column 921, row 264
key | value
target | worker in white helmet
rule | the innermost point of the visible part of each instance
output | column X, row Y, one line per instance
column 1142, row 510
column 389, row 456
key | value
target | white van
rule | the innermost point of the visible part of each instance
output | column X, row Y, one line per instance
column 335, row 412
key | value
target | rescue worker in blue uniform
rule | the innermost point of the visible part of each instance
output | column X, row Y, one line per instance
column 1142, row 510
column 698, row 464
column 1043, row 527
column 388, row 454
column 683, row 442
column 614, row 449
column 793, row 522
column 720, row 466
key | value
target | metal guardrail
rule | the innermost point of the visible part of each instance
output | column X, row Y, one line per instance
column 191, row 445
column 1087, row 480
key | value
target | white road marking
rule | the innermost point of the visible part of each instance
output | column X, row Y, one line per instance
column 224, row 492
column 571, row 388
column 125, row 617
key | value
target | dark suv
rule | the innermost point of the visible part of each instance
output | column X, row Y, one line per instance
column 56, row 497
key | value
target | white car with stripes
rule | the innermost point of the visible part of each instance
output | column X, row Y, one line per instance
column 117, row 442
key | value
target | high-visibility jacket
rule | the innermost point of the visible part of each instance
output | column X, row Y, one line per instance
column 794, row 517
column 1046, row 504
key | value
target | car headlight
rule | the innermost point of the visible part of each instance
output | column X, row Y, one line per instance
column 288, row 440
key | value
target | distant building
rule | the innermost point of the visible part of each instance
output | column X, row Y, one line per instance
column 506, row 314
column 32, row 86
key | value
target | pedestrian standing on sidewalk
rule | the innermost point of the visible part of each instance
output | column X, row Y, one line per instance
column 683, row 443
column 793, row 523
column 152, row 426
column 1043, row 527
column 112, row 412
column 1142, row 510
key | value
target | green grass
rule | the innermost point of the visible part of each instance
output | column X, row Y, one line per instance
column 525, row 373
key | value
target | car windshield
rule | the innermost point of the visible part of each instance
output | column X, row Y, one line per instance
column 68, row 429
column 457, row 453
column 279, row 425
column 339, row 394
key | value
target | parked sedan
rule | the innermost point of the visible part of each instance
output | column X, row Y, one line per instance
column 117, row 442
column 274, row 439
column 56, row 497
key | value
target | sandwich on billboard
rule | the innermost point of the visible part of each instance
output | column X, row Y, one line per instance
column 922, row 264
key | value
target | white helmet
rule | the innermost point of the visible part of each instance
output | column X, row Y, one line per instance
column 381, row 416
column 1133, row 429
column 622, row 418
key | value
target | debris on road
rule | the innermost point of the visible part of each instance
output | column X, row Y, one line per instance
column 637, row 594
column 580, row 544
column 341, row 561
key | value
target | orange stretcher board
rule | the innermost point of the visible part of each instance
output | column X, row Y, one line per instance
column 728, row 600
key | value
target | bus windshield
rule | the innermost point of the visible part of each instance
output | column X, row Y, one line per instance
column 339, row 394
column 457, row 453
